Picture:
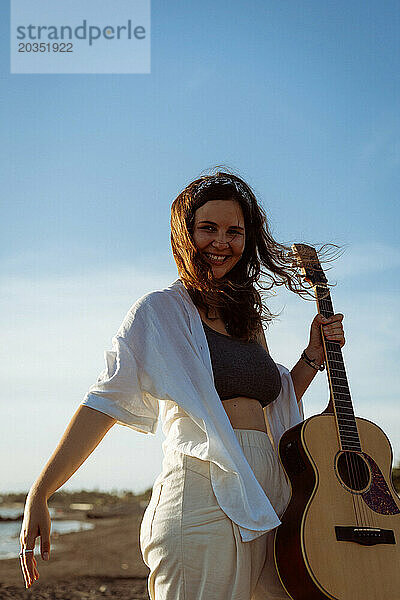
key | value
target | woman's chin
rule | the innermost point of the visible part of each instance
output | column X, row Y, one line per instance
column 218, row 272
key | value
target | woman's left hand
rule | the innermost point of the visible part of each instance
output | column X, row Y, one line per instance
column 333, row 332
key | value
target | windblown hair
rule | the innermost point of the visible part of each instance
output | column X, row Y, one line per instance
column 234, row 295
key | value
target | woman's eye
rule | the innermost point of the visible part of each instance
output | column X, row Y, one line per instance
column 232, row 232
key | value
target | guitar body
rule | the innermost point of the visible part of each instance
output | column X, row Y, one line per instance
column 361, row 559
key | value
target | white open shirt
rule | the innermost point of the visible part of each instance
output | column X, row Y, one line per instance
column 160, row 353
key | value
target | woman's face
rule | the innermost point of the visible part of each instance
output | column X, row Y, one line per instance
column 219, row 232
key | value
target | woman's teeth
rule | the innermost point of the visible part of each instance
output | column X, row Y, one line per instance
column 216, row 259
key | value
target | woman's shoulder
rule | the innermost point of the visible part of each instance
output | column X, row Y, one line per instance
column 163, row 301
column 159, row 297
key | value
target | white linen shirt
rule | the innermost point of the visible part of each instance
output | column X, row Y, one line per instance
column 160, row 353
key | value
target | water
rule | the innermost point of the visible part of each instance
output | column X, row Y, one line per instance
column 9, row 531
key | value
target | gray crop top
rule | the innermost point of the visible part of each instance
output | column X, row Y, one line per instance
column 242, row 368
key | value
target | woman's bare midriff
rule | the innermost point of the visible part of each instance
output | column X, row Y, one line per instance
column 245, row 413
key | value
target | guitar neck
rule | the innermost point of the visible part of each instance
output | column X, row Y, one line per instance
column 337, row 378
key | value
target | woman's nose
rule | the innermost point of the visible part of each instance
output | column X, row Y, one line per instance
column 222, row 238
column 219, row 242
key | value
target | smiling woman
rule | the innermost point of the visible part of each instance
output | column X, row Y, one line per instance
column 219, row 233
column 198, row 345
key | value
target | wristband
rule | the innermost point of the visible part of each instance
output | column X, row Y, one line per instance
column 311, row 362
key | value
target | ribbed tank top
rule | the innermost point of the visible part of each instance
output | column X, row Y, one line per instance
column 242, row 368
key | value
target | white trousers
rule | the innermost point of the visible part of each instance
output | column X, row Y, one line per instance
column 193, row 550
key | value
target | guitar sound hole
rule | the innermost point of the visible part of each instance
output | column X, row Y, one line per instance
column 353, row 471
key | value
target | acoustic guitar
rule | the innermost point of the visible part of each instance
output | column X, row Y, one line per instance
column 340, row 533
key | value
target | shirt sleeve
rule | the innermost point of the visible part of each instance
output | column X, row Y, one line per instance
column 123, row 390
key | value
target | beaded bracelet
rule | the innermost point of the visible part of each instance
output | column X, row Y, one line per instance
column 311, row 362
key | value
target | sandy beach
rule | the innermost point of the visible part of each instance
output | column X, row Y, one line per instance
column 104, row 562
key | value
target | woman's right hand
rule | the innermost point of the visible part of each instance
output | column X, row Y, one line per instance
column 86, row 429
column 36, row 523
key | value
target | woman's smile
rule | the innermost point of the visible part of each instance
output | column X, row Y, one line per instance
column 219, row 234
column 216, row 259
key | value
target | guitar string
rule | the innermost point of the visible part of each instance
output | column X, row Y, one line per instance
column 352, row 460
column 354, row 495
column 356, row 477
column 352, row 470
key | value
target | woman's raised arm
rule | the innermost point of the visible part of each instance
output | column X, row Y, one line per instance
column 84, row 432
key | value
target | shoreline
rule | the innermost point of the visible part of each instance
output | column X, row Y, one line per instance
column 88, row 564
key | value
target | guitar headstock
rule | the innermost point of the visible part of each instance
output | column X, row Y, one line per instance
column 306, row 258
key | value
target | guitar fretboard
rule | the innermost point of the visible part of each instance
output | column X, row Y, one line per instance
column 340, row 392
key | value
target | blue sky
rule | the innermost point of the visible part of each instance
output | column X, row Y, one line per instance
column 299, row 98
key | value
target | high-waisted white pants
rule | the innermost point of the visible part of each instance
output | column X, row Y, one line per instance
column 193, row 550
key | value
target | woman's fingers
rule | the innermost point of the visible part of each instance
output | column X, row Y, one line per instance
column 333, row 330
column 30, row 567
column 27, row 565
column 27, row 558
column 27, row 541
column 23, row 569
column 36, row 523
column 35, row 571
column 45, row 542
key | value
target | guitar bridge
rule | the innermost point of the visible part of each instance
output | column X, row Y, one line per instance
column 367, row 536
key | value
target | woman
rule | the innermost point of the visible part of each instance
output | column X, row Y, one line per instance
column 196, row 349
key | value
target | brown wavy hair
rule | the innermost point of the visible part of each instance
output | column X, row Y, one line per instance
column 234, row 295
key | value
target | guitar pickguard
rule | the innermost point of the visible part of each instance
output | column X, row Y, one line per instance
column 378, row 497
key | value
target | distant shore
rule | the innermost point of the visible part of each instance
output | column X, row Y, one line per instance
column 104, row 562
